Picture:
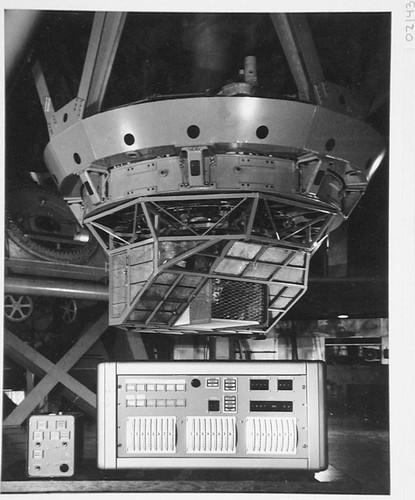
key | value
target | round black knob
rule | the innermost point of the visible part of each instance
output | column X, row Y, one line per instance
column 195, row 382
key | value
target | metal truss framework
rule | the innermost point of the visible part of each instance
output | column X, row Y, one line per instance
column 169, row 255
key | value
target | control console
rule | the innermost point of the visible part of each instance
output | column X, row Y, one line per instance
column 211, row 414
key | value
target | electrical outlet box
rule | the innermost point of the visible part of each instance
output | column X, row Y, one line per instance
column 51, row 446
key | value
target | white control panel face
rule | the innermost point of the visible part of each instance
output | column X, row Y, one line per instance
column 51, row 447
column 236, row 414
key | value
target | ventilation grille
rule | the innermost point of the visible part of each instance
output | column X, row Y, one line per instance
column 151, row 435
column 269, row 436
column 239, row 300
column 211, row 435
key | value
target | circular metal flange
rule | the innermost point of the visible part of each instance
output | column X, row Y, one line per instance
column 111, row 137
column 18, row 308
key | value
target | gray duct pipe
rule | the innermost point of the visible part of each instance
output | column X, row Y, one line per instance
column 56, row 288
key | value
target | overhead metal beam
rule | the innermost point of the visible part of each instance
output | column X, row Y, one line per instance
column 44, row 96
column 105, row 36
column 295, row 37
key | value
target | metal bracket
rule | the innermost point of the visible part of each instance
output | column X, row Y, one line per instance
column 194, row 171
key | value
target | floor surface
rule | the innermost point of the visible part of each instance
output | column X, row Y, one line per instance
column 358, row 464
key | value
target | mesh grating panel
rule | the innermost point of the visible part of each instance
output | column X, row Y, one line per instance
column 237, row 300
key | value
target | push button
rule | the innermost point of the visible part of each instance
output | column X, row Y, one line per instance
column 213, row 405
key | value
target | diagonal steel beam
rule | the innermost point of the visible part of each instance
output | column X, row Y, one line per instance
column 55, row 373
column 37, row 364
column 295, row 37
column 105, row 37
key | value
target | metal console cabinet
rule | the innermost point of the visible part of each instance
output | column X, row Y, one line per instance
column 267, row 415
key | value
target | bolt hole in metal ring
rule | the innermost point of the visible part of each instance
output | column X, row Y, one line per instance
column 262, row 132
column 193, row 131
column 129, row 139
column 77, row 158
column 330, row 144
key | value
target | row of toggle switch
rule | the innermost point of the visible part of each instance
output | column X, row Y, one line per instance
column 155, row 402
column 40, row 435
column 51, row 424
column 155, row 387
